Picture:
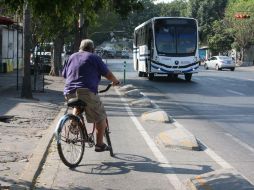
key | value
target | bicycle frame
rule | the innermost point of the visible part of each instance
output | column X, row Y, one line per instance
column 81, row 119
column 77, row 128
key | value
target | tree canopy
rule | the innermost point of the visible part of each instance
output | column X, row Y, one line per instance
column 56, row 19
column 241, row 29
column 220, row 38
column 206, row 11
column 52, row 20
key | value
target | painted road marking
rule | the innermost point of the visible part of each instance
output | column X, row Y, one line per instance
column 172, row 177
column 224, row 164
column 235, row 92
column 248, row 147
column 174, row 180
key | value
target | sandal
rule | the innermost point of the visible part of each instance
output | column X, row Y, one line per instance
column 101, row 148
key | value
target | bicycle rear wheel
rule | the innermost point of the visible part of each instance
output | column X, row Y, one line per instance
column 71, row 143
column 108, row 140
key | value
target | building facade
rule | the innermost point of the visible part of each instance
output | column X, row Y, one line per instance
column 11, row 45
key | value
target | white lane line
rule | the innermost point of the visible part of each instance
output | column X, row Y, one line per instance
column 235, row 92
column 248, row 147
column 223, row 163
column 172, row 177
column 213, row 79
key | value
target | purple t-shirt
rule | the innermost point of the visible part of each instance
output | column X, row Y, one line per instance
column 83, row 70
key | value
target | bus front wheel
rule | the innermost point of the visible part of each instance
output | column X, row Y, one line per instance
column 150, row 76
column 188, row 76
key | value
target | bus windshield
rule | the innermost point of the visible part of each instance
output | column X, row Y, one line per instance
column 176, row 37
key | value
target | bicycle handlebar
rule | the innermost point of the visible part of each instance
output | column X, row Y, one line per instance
column 107, row 88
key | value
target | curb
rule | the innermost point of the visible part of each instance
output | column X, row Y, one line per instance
column 144, row 102
column 33, row 167
column 219, row 180
column 179, row 138
column 135, row 93
column 156, row 115
column 126, row 87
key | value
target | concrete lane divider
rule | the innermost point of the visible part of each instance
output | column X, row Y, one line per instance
column 127, row 87
column 133, row 93
column 219, row 180
column 156, row 115
column 34, row 166
column 179, row 138
column 142, row 102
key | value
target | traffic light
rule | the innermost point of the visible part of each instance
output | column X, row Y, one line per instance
column 242, row 16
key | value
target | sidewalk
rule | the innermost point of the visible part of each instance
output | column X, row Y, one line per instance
column 245, row 68
column 23, row 123
column 10, row 79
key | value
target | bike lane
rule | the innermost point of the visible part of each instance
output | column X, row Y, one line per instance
column 143, row 159
column 133, row 167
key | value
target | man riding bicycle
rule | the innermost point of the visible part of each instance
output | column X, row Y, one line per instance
column 83, row 71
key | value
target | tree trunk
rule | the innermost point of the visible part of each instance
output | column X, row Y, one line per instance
column 242, row 56
column 56, row 65
column 80, row 32
column 76, row 38
column 26, row 91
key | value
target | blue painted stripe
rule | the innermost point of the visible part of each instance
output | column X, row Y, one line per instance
column 172, row 71
column 175, row 66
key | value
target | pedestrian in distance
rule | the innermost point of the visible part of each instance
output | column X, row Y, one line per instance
column 82, row 73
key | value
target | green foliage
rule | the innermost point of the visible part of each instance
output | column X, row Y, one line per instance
column 109, row 20
column 12, row 5
column 219, row 40
column 52, row 18
column 177, row 8
column 105, row 22
column 206, row 11
column 242, row 29
column 137, row 17
column 126, row 6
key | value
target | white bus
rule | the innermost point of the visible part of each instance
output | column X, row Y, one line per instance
column 166, row 46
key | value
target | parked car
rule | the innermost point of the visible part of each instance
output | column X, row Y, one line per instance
column 99, row 51
column 43, row 60
column 125, row 54
column 219, row 63
column 109, row 52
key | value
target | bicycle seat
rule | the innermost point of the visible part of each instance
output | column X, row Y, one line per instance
column 75, row 102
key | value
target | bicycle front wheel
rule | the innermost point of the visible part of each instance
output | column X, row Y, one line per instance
column 109, row 141
column 71, row 143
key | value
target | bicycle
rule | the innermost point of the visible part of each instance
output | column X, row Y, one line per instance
column 71, row 131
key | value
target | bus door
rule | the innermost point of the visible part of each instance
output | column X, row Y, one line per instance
column 150, row 49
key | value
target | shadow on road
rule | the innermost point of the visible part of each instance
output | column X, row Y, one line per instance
column 129, row 162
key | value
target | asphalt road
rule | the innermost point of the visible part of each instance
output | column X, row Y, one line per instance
column 217, row 107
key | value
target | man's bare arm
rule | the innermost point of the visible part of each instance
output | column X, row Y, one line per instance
column 110, row 76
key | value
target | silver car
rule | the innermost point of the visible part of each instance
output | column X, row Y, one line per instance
column 219, row 63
